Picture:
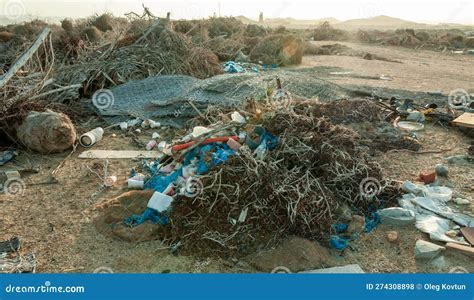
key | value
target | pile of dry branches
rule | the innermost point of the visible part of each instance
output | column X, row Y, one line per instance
column 296, row 189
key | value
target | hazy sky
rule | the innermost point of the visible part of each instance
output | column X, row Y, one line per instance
column 437, row 11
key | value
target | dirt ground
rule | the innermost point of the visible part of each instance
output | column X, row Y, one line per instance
column 55, row 220
column 419, row 70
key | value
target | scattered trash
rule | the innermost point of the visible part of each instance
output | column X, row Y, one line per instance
column 118, row 154
column 136, row 182
column 427, row 250
column 155, row 135
column 200, row 130
column 427, row 177
column 468, row 233
column 12, row 262
column 7, row 155
column 151, row 145
column 461, row 248
column 92, row 137
column 238, row 118
column 415, row 116
column 11, row 245
column 123, row 126
column 410, row 126
column 160, row 202
column 462, row 201
column 338, row 242
column 233, row 67
column 396, row 216
column 465, row 120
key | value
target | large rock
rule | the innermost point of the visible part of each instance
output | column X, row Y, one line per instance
column 47, row 132
column 112, row 213
column 296, row 254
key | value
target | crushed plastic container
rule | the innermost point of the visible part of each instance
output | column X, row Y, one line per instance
column 160, row 202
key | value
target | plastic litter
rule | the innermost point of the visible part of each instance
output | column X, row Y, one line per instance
column 338, row 242
column 151, row 145
column 90, row 138
column 238, row 118
column 123, row 126
column 427, row 250
column 233, row 67
column 396, row 216
column 410, row 126
column 200, row 130
column 160, row 202
column 6, row 156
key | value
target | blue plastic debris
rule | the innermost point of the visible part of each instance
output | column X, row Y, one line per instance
column 371, row 222
column 338, row 242
column 233, row 67
column 340, row 227
column 6, row 156
column 160, row 181
column 149, row 214
column 341, row 242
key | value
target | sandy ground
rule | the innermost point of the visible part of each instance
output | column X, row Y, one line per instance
column 419, row 70
column 55, row 220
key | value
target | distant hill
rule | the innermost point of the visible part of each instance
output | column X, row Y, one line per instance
column 379, row 22
column 288, row 22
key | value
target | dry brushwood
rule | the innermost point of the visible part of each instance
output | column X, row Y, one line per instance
column 294, row 190
column 280, row 49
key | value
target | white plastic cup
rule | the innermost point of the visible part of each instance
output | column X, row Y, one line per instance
column 135, row 183
column 90, row 138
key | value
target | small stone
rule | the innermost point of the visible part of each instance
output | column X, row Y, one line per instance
column 357, row 224
column 392, row 236
column 427, row 250
column 441, row 170
column 462, row 201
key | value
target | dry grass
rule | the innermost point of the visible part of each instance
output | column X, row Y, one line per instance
column 280, row 49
